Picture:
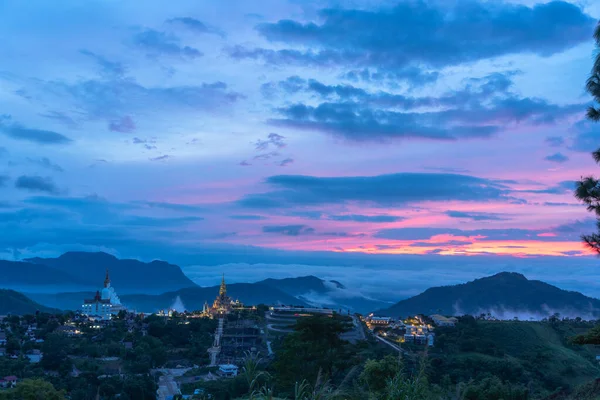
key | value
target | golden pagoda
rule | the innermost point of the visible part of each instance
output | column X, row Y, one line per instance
column 223, row 304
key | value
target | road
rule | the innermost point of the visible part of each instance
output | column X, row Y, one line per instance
column 356, row 334
column 271, row 328
column 392, row 345
column 279, row 322
column 167, row 387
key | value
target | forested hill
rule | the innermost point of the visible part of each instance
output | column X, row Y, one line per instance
column 505, row 295
column 16, row 303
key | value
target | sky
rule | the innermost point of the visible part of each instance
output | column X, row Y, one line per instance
column 333, row 132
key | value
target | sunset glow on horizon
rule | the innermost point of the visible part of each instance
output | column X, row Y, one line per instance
column 269, row 128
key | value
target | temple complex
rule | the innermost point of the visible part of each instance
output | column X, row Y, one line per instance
column 105, row 304
column 223, row 304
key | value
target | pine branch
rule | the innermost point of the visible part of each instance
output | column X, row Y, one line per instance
column 593, row 114
column 592, row 241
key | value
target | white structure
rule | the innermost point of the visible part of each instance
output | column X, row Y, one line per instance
column 420, row 339
column 430, row 340
column 440, row 320
column 105, row 305
column 380, row 320
column 304, row 310
column 228, row 370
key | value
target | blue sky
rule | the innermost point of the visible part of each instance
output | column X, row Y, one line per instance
column 205, row 132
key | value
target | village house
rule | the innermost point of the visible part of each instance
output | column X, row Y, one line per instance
column 8, row 381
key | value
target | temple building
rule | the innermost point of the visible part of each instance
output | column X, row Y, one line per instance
column 105, row 304
column 223, row 304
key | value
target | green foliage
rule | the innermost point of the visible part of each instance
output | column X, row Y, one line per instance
column 377, row 373
column 533, row 354
column 321, row 390
column 493, row 389
column 591, row 337
column 56, row 352
column 404, row 387
column 253, row 372
column 314, row 346
column 33, row 389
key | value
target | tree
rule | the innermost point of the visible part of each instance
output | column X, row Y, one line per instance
column 315, row 345
column 56, row 352
column 377, row 373
column 587, row 189
column 593, row 82
column 34, row 389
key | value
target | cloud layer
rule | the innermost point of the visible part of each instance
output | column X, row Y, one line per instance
column 338, row 133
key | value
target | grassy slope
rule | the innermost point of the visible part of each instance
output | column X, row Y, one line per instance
column 524, row 339
column 528, row 351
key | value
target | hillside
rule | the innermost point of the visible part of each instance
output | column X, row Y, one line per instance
column 534, row 354
column 12, row 302
column 127, row 276
column 504, row 295
column 320, row 292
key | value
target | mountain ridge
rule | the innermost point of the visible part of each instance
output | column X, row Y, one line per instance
column 129, row 275
column 501, row 294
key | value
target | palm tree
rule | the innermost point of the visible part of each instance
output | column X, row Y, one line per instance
column 252, row 372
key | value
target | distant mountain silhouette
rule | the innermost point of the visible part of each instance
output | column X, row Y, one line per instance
column 127, row 276
column 301, row 285
column 317, row 291
column 15, row 274
column 193, row 298
column 504, row 295
column 12, row 302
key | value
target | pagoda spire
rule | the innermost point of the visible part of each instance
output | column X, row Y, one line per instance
column 223, row 289
column 107, row 279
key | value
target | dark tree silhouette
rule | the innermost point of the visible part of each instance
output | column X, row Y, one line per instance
column 588, row 188
column 593, row 82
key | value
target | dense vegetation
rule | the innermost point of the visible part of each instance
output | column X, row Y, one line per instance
column 112, row 362
column 477, row 359
column 536, row 358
